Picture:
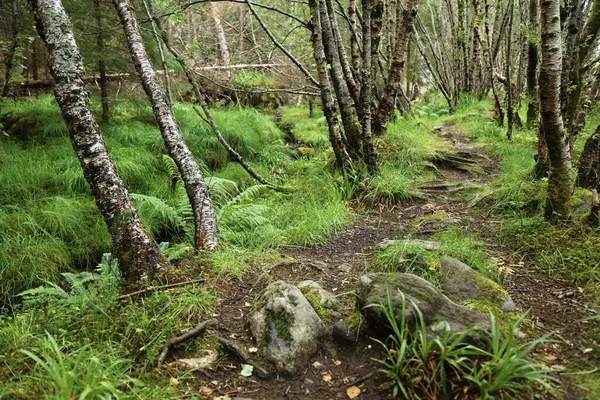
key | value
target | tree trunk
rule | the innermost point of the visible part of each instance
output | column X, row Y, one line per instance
column 391, row 90
column 329, row 109
column 558, row 203
column 367, row 88
column 103, row 81
column 344, row 98
column 509, row 88
column 196, row 188
column 585, row 108
column 138, row 254
column 533, row 108
column 223, row 49
column 588, row 173
column 10, row 52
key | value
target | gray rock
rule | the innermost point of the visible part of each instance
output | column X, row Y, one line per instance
column 286, row 327
column 461, row 282
column 434, row 306
column 421, row 244
column 326, row 299
column 344, row 332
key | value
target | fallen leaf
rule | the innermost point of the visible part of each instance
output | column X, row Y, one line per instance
column 327, row 378
column 317, row 365
column 337, row 362
column 550, row 357
column 247, row 370
column 222, row 398
column 205, row 390
column 252, row 350
column 174, row 381
column 353, row 392
column 588, row 350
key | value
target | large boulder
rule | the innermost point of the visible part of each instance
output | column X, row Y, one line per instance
column 381, row 288
column 286, row 327
column 460, row 282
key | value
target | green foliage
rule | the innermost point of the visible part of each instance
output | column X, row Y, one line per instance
column 419, row 365
column 295, row 121
column 402, row 257
column 83, row 373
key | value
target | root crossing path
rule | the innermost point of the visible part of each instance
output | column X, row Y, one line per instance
column 450, row 199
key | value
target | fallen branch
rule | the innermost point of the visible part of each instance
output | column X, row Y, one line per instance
column 241, row 354
column 155, row 288
column 197, row 331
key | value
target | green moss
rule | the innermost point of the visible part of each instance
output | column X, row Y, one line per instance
column 489, row 290
column 282, row 322
column 315, row 301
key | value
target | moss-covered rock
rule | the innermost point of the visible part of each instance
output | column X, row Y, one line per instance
column 323, row 302
column 461, row 282
column 388, row 289
column 286, row 327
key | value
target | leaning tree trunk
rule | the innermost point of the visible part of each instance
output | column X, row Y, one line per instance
column 558, row 202
column 204, row 213
column 532, row 64
column 348, row 110
column 328, row 104
column 387, row 102
column 138, row 254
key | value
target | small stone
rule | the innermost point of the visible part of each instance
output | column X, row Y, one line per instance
column 309, row 382
column 345, row 268
column 336, row 315
column 343, row 332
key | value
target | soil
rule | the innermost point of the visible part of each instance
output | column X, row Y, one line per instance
column 462, row 167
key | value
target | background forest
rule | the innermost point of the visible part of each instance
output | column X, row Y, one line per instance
column 164, row 163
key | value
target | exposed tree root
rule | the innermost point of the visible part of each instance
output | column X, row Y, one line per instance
column 197, row 331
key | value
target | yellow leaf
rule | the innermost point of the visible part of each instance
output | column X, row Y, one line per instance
column 205, row 390
column 327, row 378
column 174, row 381
column 352, row 392
column 337, row 362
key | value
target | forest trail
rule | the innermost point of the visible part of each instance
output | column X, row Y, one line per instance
column 444, row 203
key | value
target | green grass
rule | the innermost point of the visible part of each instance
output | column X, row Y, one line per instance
column 418, row 365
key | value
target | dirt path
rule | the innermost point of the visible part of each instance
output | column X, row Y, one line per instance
column 554, row 306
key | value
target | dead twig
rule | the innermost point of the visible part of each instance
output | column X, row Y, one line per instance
column 155, row 288
column 362, row 379
column 237, row 351
column 197, row 331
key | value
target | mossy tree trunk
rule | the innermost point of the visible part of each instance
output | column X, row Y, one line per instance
column 387, row 102
column 588, row 173
column 367, row 88
column 346, row 103
column 558, row 202
column 533, row 108
column 9, row 57
column 138, row 254
column 197, row 190
column 336, row 137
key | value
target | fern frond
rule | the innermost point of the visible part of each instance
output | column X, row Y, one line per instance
column 172, row 170
column 154, row 209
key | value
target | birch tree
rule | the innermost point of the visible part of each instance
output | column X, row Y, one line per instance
column 196, row 188
column 558, row 203
column 138, row 254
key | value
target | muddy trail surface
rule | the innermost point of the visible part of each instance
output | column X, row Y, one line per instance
column 460, row 169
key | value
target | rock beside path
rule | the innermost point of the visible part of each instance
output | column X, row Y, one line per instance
column 460, row 282
column 286, row 327
column 381, row 288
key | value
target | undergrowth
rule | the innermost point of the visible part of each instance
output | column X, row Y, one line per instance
column 420, row 365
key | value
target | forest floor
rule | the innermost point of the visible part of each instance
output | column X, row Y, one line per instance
column 554, row 306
